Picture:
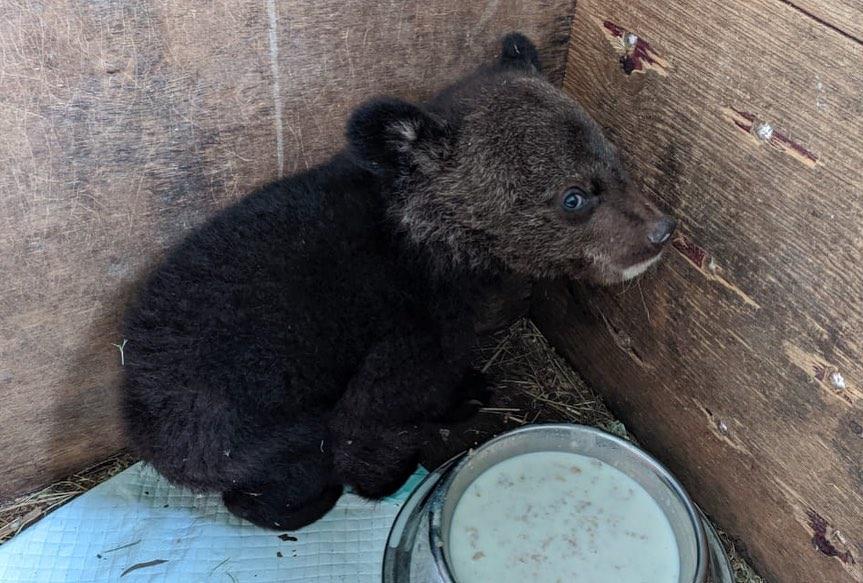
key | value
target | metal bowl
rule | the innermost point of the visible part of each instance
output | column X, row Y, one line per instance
column 417, row 550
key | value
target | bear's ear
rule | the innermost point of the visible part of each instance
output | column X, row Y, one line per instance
column 386, row 134
column 517, row 52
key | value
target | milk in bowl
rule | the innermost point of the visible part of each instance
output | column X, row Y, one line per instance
column 556, row 516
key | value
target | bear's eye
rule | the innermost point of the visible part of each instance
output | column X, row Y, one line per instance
column 575, row 200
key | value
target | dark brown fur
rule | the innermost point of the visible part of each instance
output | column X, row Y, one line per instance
column 291, row 345
column 489, row 193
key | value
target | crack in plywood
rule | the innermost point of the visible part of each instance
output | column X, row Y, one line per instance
column 823, row 22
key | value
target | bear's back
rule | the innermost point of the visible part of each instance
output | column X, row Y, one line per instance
column 301, row 268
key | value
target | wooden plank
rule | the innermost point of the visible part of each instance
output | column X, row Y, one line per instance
column 845, row 16
column 740, row 361
column 122, row 125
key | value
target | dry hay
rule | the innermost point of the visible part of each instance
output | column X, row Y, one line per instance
column 527, row 371
column 23, row 511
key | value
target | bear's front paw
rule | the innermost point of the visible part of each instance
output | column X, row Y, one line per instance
column 377, row 463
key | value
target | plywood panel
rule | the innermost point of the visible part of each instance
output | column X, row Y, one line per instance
column 740, row 361
column 123, row 124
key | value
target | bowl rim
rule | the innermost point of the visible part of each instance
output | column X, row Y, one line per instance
column 436, row 535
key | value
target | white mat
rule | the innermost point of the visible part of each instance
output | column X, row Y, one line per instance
column 138, row 524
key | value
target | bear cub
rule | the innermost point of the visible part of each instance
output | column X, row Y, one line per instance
column 291, row 345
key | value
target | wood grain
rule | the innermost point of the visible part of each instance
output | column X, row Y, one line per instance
column 724, row 362
column 845, row 16
column 124, row 124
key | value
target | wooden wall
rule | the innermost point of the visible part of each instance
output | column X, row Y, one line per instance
column 739, row 362
column 123, row 124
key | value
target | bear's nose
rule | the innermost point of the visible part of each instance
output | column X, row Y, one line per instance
column 662, row 230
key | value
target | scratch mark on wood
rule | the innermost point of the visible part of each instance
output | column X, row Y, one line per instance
column 707, row 265
column 824, row 373
column 796, row 150
column 273, row 32
column 695, row 254
column 760, row 132
column 823, row 544
column 622, row 340
column 636, row 54
column 719, row 428
column 348, row 53
column 740, row 339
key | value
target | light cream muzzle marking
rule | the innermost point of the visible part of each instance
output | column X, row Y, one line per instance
column 639, row 268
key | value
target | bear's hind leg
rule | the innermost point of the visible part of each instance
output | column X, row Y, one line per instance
column 378, row 460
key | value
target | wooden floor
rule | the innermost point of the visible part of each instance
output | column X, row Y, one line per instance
column 740, row 361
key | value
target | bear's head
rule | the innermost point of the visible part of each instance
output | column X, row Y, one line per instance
column 504, row 169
